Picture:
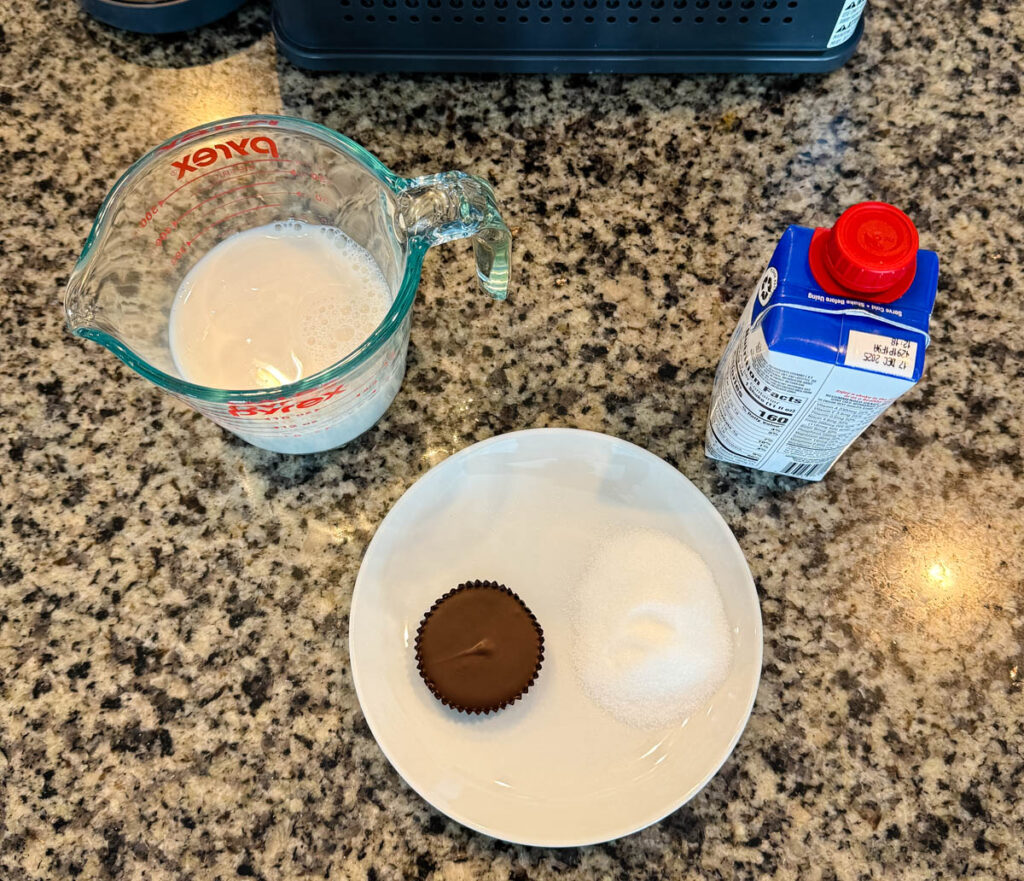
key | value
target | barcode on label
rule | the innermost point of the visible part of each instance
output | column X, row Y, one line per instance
column 805, row 469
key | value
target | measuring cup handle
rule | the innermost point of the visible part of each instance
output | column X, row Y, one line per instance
column 443, row 207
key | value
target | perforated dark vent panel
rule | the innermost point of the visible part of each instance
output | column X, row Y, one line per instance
column 561, row 34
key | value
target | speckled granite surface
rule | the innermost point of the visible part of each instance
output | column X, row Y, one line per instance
column 175, row 699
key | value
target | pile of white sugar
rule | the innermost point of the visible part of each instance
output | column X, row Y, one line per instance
column 652, row 643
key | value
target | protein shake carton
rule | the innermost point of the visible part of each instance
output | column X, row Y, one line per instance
column 835, row 331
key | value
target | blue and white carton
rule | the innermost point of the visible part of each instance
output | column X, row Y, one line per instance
column 809, row 368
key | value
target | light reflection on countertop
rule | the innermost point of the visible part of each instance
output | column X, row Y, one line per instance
column 938, row 574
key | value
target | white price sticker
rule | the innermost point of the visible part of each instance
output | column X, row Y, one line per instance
column 846, row 24
column 882, row 354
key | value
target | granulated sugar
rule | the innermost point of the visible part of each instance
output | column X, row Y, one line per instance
column 652, row 643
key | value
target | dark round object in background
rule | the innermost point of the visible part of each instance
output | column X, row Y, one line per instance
column 158, row 16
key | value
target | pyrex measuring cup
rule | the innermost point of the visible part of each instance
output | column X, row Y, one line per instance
column 193, row 191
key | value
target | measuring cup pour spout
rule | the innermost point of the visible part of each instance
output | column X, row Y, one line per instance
column 77, row 309
column 79, row 303
column 92, row 308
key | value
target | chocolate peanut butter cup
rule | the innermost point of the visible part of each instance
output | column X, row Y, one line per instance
column 479, row 648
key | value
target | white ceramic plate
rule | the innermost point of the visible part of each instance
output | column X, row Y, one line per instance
column 553, row 769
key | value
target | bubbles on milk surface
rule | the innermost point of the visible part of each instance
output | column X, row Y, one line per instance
column 652, row 642
column 273, row 304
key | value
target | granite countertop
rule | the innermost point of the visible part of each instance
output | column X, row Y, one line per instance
column 175, row 698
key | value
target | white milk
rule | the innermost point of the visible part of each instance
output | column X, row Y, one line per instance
column 274, row 304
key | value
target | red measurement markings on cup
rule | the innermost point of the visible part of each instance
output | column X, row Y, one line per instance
column 241, row 170
column 190, row 242
column 183, row 250
column 147, row 218
column 166, row 232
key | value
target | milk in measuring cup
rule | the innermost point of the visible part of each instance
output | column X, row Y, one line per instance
column 278, row 303
column 274, row 304
column 834, row 332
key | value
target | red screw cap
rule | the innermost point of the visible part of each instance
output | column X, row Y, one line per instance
column 870, row 254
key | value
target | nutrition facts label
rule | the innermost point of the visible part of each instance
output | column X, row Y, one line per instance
column 758, row 400
column 795, row 415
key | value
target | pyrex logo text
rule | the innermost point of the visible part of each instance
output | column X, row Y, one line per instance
column 270, row 408
column 208, row 155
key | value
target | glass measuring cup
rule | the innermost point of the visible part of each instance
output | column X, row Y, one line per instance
column 208, row 183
